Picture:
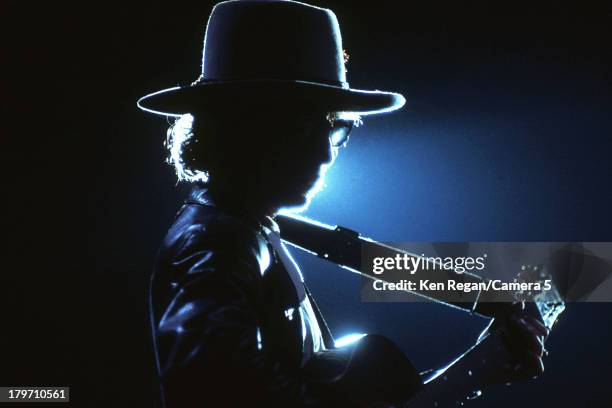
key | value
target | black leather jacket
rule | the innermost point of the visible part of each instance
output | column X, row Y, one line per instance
column 218, row 307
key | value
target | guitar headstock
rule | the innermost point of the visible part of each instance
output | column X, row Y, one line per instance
column 543, row 292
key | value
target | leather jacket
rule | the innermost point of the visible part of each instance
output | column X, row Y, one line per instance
column 219, row 302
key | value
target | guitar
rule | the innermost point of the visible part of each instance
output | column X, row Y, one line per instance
column 348, row 370
column 344, row 247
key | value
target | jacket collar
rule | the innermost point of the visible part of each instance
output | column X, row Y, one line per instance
column 201, row 195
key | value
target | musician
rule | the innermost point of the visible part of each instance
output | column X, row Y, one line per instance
column 233, row 322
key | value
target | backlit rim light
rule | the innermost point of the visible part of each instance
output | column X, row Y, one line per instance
column 140, row 102
column 348, row 339
column 320, row 183
column 318, row 186
column 178, row 135
column 354, row 116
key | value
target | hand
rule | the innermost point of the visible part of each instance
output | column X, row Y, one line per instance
column 514, row 347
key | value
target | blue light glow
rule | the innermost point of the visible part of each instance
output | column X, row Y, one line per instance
column 259, row 342
column 320, row 184
column 354, row 116
column 401, row 102
column 348, row 339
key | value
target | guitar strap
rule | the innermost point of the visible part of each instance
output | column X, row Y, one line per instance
column 328, row 339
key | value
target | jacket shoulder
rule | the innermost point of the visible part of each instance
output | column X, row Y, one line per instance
column 211, row 227
column 205, row 242
column 201, row 230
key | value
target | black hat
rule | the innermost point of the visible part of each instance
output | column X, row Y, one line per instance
column 280, row 49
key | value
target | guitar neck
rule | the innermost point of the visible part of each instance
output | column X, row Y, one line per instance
column 345, row 247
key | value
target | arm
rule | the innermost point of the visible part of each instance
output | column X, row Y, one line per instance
column 508, row 350
column 210, row 346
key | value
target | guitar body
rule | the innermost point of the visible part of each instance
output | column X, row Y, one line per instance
column 373, row 371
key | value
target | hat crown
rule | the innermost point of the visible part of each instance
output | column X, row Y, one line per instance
column 273, row 39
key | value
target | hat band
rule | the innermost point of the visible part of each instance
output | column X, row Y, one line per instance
column 202, row 80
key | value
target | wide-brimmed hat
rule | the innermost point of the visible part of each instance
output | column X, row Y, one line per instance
column 271, row 50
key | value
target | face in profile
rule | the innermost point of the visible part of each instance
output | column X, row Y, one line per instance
column 271, row 157
column 300, row 151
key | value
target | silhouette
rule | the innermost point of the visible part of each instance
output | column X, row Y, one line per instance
column 233, row 322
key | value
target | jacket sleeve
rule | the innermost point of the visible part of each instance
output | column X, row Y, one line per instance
column 209, row 344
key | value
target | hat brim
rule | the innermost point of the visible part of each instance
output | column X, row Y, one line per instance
column 207, row 95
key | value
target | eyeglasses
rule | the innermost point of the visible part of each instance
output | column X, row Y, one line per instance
column 340, row 129
column 337, row 128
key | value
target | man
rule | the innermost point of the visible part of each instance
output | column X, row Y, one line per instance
column 233, row 321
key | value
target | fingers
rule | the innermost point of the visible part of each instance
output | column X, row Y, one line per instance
column 524, row 339
column 531, row 366
column 537, row 325
column 521, row 334
column 518, row 310
column 538, row 331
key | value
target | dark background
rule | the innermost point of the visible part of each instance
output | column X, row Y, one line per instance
column 505, row 136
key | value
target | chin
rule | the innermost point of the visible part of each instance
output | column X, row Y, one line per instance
column 300, row 202
column 301, row 199
column 295, row 205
